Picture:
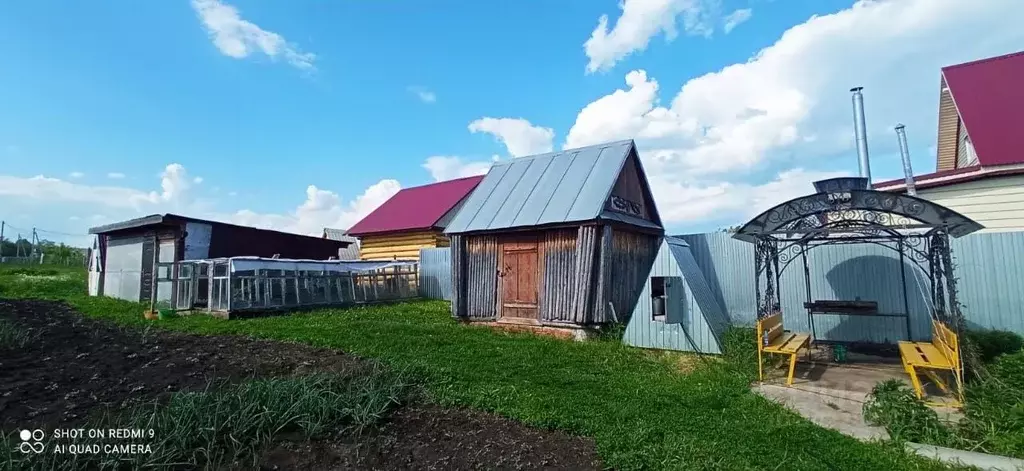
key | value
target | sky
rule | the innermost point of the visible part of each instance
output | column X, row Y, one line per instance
column 302, row 115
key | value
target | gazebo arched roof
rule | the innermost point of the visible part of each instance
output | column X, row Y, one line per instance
column 838, row 202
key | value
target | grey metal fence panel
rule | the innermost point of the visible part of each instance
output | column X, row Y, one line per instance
column 989, row 268
column 436, row 273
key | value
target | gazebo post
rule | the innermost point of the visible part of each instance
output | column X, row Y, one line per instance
column 903, row 282
column 807, row 289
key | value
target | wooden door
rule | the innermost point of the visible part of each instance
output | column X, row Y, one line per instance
column 520, row 278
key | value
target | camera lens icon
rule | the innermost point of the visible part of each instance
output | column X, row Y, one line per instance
column 34, row 435
column 30, row 441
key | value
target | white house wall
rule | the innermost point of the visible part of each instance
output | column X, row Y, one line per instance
column 997, row 203
column 643, row 331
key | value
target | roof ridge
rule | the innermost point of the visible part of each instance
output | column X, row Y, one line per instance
column 478, row 177
column 984, row 60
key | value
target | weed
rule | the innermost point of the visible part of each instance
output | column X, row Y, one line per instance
column 14, row 336
column 895, row 406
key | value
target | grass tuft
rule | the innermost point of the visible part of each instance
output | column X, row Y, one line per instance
column 14, row 336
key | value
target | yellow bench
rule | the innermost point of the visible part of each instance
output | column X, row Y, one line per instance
column 942, row 353
column 772, row 338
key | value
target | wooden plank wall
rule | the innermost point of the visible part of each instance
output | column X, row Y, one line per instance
column 585, row 281
column 481, row 277
column 631, row 257
column 458, row 249
column 556, row 301
column 403, row 246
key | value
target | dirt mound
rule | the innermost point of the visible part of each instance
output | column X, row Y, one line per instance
column 434, row 438
column 76, row 366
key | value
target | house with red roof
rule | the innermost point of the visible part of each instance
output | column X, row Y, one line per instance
column 413, row 219
column 980, row 150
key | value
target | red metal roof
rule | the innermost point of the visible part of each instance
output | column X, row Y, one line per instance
column 949, row 177
column 416, row 208
column 989, row 96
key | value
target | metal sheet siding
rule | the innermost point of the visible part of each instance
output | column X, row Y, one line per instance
column 515, row 202
column 644, row 331
column 599, row 182
column 567, row 186
column 989, row 268
column 543, row 192
column 499, row 196
column 435, row 277
column 466, row 217
column 699, row 290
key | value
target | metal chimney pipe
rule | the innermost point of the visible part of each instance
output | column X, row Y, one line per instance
column 908, row 173
column 860, row 129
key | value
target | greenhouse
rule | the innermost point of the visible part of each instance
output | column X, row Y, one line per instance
column 231, row 285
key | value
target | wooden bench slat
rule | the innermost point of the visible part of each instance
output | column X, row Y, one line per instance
column 924, row 355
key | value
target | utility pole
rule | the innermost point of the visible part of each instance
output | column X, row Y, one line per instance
column 2, row 225
column 17, row 246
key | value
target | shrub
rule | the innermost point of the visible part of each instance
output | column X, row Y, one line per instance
column 894, row 405
column 992, row 343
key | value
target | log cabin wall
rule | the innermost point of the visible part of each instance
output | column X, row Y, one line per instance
column 400, row 246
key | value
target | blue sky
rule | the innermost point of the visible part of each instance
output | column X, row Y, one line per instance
column 297, row 115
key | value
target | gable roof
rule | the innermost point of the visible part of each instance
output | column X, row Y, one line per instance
column 559, row 187
column 989, row 99
column 348, row 253
column 416, row 208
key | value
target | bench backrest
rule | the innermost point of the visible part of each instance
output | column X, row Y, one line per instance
column 772, row 325
column 944, row 339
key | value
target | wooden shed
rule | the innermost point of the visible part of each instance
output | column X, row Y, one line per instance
column 561, row 240
column 412, row 219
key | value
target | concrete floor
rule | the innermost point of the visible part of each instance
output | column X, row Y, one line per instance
column 833, row 395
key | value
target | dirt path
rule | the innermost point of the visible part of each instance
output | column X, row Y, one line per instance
column 77, row 366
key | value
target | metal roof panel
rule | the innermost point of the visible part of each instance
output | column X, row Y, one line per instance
column 600, row 181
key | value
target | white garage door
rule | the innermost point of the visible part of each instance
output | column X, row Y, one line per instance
column 123, row 276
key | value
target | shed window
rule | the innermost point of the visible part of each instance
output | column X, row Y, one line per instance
column 658, row 298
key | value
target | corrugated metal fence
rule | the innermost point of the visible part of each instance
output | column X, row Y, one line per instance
column 436, row 273
column 989, row 268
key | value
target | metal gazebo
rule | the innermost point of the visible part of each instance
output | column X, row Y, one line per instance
column 845, row 211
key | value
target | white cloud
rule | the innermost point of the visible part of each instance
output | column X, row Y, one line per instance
column 736, row 18
column 238, row 38
column 197, row 180
column 519, row 136
column 789, row 105
column 115, row 175
column 683, row 201
column 640, row 21
column 425, row 95
column 76, row 174
column 443, row 168
column 791, row 98
column 321, row 209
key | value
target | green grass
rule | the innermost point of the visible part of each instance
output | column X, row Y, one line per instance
column 993, row 411
column 643, row 412
column 228, row 426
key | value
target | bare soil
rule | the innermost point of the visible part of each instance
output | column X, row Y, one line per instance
column 78, row 366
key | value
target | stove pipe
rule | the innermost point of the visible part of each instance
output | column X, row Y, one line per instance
column 908, row 173
column 861, row 132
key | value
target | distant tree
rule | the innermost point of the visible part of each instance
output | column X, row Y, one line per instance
column 731, row 229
